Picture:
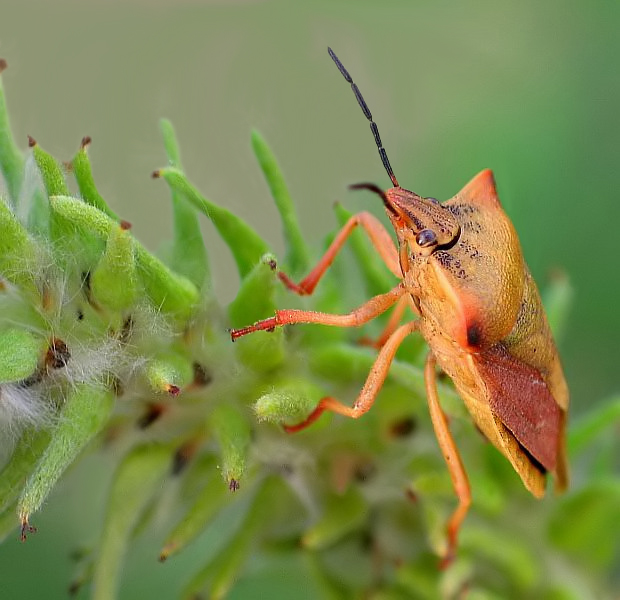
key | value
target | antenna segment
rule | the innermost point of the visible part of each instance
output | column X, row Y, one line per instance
column 368, row 115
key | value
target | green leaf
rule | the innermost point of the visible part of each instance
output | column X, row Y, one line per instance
column 82, row 171
column 84, row 413
column 114, row 281
column 168, row 373
column 11, row 159
column 244, row 243
column 168, row 291
column 217, row 577
column 26, row 454
column 51, row 171
column 137, row 479
column 209, row 501
column 232, row 431
column 20, row 353
column 18, row 253
column 297, row 257
column 261, row 351
column 290, row 402
column 189, row 255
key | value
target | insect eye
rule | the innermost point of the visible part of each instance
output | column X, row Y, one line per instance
column 425, row 238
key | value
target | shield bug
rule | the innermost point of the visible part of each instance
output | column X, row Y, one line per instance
column 462, row 271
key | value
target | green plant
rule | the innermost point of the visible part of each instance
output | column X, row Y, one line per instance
column 105, row 346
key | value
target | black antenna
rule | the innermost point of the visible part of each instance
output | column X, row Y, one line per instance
column 368, row 114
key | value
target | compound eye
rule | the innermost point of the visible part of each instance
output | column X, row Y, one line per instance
column 426, row 238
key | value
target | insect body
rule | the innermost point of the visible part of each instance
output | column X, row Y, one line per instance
column 463, row 273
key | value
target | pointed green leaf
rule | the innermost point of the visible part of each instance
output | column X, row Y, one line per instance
column 82, row 171
column 209, row 501
column 290, row 402
column 11, row 159
column 232, row 431
column 262, row 351
column 51, row 171
column 218, row 576
column 168, row 373
column 189, row 255
column 83, row 415
column 244, row 243
column 137, row 479
column 19, row 252
column 114, row 281
column 26, row 454
column 297, row 257
column 168, row 291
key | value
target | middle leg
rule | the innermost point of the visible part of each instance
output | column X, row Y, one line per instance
column 371, row 388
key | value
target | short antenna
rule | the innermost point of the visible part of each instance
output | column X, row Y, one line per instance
column 368, row 114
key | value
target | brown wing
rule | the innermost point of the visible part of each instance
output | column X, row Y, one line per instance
column 520, row 398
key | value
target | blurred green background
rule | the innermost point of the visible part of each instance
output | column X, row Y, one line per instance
column 529, row 89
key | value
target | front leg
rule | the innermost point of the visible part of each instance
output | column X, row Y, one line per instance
column 379, row 238
column 368, row 311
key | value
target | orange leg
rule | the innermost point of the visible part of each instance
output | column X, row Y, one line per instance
column 452, row 458
column 368, row 311
column 392, row 324
column 371, row 388
column 379, row 238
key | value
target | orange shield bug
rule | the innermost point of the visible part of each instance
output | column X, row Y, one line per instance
column 462, row 272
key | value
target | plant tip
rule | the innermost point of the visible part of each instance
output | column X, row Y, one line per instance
column 26, row 528
column 125, row 225
column 86, row 140
column 173, row 390
column 3, row 65
column 156, row 174
column 31, row 142
column 233, row 485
